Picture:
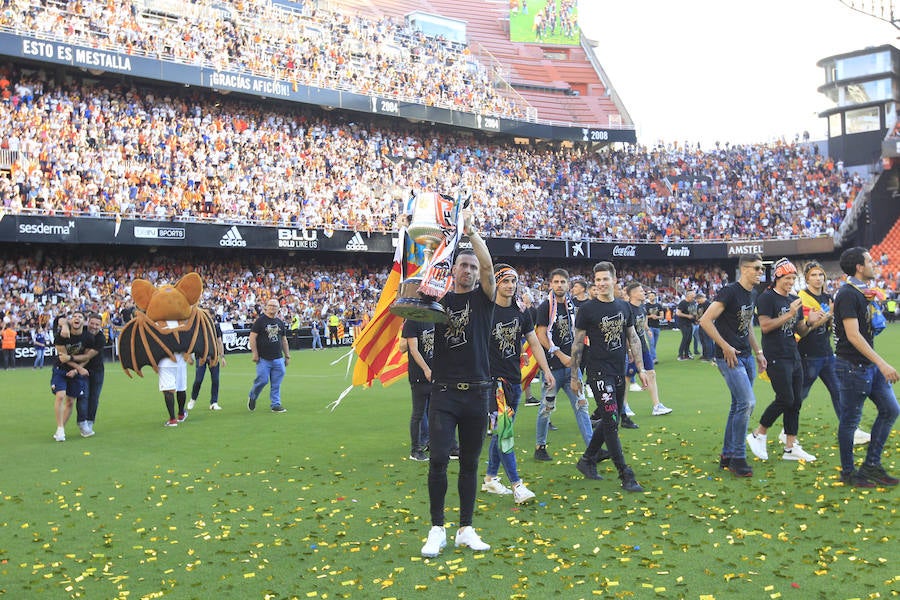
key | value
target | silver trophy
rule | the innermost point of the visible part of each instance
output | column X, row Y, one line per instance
column 431, row 219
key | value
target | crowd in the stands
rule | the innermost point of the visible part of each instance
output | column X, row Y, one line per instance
column 89, row 148
column 309, row 44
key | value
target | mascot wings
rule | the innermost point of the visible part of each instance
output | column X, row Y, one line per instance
column 167, row 322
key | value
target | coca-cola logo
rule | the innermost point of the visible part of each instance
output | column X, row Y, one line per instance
column 628, row 250
column 236, row 342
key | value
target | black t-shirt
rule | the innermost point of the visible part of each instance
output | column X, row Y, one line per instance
column 701, row 308
column 850, row 303
column 532, row 312
column 654, row 309
column 74, row 343
column 578, row 303
column 461, row 345
column 688, row 308
column 606, row 324
column 737, row 317
column 98, row 343
column 424, row 334
column 587, row 342
column 778, row 343
column 268, row 337
column 560, row 331
column 817, row 343
column 509, row 326
column 639, row 315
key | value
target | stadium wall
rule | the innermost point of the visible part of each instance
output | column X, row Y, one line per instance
column 34, row 229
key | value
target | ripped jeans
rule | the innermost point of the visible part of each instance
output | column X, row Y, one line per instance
column 579, row 406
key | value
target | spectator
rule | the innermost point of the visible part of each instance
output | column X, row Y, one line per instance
column 8, row 336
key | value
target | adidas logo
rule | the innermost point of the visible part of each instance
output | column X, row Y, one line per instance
column 356, row 244
column 233, row 238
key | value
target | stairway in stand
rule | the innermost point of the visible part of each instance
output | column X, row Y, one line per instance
column 890, row 246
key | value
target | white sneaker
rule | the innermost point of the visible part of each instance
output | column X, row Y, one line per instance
column 797, row 453
column 660, row 409
column 757, row 445
column 190, row 404
column 628, row 411
column 860, row 437
column 635, row 387
column 215, row 406
column 493, row 486
column 60, row 435
column 521, row 493
column 466, row 536
column 437, row 539
column 782, row 437
column 86, row 430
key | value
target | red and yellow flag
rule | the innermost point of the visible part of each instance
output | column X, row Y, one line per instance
column 378, row 340
column 529, row 365
column 396, row 367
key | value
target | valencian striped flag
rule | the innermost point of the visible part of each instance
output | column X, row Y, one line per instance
column 529, row 365
column 377, row 349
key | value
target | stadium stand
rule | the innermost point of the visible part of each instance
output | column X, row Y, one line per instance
column 308, row 45
column 89, row 147
column 561, row 84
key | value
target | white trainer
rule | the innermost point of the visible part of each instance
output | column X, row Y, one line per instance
column 797, row 453
column 521, row 493
column 215, row 406
column 493, row 486
column 860, row 437
column 437, row 539
column 191, row 403
column 660, row 409
column 466, row 536
column 635, row 387
column 782, row 437
column 628, row 411
column 757, row 445
column 60, row 435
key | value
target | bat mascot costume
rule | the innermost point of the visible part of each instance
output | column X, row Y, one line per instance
column 167, row 322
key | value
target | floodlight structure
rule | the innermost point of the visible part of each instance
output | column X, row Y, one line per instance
column 883, row 10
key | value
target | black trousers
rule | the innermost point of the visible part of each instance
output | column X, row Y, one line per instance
column 786, row 375
column 421, row 393
column 687, row 332
column 450, row 410
column 609, row 392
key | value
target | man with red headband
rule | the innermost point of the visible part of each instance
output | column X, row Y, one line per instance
column 509, row 325
column 780, row 318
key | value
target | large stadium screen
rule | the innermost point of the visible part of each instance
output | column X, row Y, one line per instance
column 544, row 22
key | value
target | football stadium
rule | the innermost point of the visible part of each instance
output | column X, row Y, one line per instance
column 277, row 256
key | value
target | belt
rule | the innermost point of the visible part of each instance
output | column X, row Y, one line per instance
column 464, row 386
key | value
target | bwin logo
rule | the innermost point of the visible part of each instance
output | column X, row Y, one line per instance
column 356, row 244
column 233, row 238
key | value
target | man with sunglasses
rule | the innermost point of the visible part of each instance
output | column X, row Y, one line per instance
column 729, row 322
